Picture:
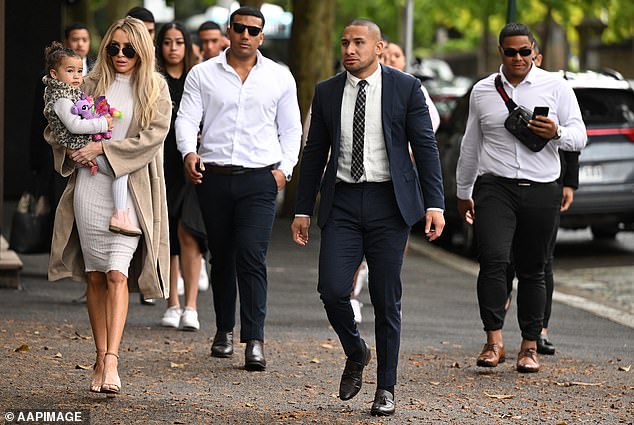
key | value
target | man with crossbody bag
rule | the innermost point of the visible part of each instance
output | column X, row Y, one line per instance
column 507, row 188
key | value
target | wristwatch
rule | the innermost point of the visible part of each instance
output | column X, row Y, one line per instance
column 557, row 133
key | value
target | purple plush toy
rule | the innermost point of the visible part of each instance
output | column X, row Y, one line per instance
column 86, row 109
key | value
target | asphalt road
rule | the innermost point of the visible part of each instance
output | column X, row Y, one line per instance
column 169, row 377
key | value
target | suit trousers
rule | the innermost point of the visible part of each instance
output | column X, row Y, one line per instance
column 365, row 220
column 519, row 216
column 238, row 211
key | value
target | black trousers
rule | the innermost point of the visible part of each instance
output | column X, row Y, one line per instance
column 515, row 216
column 365, row 220
column 549, row 278
column 238, row 211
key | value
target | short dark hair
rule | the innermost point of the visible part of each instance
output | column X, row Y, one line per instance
column 141, row 13
column 208, row 25
column 247, row 11
column 74, row 27
column 514, row 29
column 371, row 26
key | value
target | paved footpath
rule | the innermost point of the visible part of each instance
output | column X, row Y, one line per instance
column 169, row 378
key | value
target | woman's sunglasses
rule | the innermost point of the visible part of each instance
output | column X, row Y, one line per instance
column 128, row 50
column 239, row 29
column 510, row 52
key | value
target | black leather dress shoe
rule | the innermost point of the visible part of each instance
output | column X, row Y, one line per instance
column 222, row 345
column 383, row 403
column 544, row 346
column 352, row 376
column 254, row 356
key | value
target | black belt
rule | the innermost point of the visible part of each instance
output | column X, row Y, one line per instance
column 517, row 182
column 235, row 170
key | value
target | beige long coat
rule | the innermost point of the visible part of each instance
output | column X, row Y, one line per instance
column 140, row 155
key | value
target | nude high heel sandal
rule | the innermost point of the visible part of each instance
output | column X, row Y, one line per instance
column 114, row 387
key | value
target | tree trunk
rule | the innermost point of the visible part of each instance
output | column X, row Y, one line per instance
column 310, row 61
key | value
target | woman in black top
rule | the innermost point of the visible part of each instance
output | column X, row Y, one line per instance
column 187, row 232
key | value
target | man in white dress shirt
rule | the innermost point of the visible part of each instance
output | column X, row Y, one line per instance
column 510, row 192
column 251, row 132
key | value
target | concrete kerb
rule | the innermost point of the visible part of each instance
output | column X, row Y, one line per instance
column 471, row 267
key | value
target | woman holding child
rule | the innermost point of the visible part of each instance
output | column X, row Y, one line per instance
column 83, row 247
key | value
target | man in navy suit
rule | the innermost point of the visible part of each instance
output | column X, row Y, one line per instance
column 363, row 122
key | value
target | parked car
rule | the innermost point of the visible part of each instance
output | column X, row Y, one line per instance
column 605, row 198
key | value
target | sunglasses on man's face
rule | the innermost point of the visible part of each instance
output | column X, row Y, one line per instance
column 239, row 28
column 510, row 52
column 128, row 50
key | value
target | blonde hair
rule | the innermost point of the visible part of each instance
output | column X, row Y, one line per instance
column 145, row 81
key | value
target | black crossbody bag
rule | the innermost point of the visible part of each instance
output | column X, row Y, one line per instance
column 517, row 121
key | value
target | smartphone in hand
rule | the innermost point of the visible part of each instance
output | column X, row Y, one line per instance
column 540, row 110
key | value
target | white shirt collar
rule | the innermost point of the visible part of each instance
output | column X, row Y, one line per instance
column 529, row 78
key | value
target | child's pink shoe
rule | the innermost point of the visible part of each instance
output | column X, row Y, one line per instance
column 119, row 223
column 94, row 169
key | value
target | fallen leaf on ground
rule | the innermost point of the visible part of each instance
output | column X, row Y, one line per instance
column 22, row 348
column 625, row 368
column 326, row 345
column 58, row 355
column 81, row 336
column 177, row 365
column 499, row 396
column 83, row 367
column 315, row 360
column 581, row 384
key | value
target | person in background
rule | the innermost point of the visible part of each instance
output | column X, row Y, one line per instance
column 371, row 194
column 211, row 39
column 145, row 16
column 510, row 194
column 187, row 231
column 83, row 248
column 251, row 136
column 197, row 52
column 393, row 56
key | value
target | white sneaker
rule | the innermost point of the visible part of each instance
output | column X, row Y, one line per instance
column 172, row 317
column 190, row 320
column 203, row 278
column 356, row 308
column 180, row 286
column 362, row 279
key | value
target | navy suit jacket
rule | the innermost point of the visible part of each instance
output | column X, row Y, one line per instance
column 405, row 119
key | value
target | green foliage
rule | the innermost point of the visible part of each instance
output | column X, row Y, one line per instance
column 470, row 17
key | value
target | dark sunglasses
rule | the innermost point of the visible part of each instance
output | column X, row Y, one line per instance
column 128, row 51
column 510, row 52
column 239, row 28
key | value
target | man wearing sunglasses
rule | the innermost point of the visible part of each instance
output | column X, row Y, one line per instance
column 509, row 192
column 250, row 143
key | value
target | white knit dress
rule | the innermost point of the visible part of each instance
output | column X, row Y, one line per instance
column 104, row 250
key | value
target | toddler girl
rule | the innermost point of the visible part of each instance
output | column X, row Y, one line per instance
column 63, row 83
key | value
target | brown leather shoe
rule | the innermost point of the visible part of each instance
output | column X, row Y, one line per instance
column 527, row 361
column 491, row 355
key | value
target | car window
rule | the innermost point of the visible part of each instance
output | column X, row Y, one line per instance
column 606, row 106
